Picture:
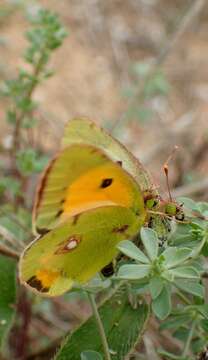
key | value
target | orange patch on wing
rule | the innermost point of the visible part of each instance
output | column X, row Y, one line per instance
column 102, row 186
column 47, row 277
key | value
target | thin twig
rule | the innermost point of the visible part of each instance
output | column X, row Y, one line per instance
column 16, row 220
column 183, row 297
column 9, row 237
column 187, row 19
column 100, row 326
column 5, row 250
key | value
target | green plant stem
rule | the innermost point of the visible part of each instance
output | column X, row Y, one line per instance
column 20, row 118
column 100, row 326
column 189, row 338
column 183, row 297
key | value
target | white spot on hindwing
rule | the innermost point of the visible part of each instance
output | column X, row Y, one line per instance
column 68, row 245
column 72, row 244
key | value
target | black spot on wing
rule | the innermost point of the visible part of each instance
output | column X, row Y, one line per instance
column 119, row 162
column 120, row 229
column 106, row 182
column 35, row 283
column 75, row 219
column 108, row 270
column 59, row 213
column 42, row 231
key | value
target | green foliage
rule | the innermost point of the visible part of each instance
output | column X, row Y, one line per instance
column 174, row 271
column 45, row 36
column 163, row 271
column 116, row 314
column 10, row 184
column 30, row 162
column 8, row 295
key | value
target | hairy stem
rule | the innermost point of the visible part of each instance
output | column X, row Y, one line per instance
column 100, row 326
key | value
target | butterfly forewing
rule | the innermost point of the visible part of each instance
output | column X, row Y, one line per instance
column 80, row 178
column 85, row 131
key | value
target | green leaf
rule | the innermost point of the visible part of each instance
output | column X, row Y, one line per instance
column 182, row 333
column 188, row 203
column 202, row 207
column 91, row 355
column 191, row 287
column 155, row 286
column 150, row 242
column 174, row 256
column 115, row 314
column 204, row 325
column 128, row 248
column 8, row 295
column 167, row 355
column 161, row 306
column 187, row 272
column 133, row 271
column 174, row 322
column 203, row 309
column 205, row 249
column 198, row 345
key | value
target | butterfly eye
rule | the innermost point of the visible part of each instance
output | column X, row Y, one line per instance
column 106, row 182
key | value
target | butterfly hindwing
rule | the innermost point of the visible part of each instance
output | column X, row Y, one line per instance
column 77, row 249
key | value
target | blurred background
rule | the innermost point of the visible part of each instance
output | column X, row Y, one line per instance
column 138, row 68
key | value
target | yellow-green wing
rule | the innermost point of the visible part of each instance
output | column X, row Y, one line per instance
column 77, row 249
column 84, row 131
column 81, row 177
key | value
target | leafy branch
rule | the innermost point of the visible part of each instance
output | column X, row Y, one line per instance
column 46, row 36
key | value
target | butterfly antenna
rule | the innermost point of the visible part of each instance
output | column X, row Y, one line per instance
column 166, row 170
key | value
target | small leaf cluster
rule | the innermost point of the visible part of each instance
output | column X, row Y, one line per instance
column 46, row 35
column 161, row 271
column 174, row 275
